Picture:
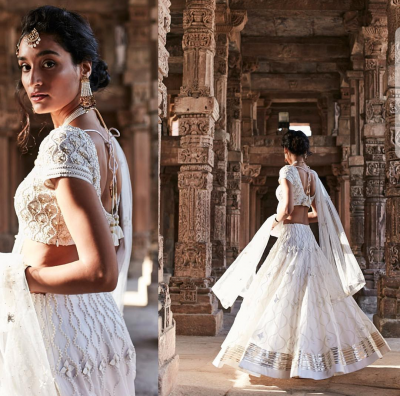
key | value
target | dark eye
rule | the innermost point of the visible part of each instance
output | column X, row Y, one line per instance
column 50, row 63
column 23, row 66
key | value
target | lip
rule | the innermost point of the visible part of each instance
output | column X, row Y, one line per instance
column 39, row 97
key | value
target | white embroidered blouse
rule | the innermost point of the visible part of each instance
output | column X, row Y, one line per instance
column 66, row 152
column 290, row 173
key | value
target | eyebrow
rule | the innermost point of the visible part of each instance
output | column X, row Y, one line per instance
column 41, row 53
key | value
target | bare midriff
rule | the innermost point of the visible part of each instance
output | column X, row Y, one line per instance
column 299, row 215
column 37, row 254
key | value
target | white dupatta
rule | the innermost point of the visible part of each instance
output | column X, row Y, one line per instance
column 237, row 279
column 24, row 365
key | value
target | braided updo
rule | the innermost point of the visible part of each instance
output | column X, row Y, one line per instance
column 296, row 142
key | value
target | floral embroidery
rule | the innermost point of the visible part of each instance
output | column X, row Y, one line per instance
column 87, row 370
column 67, row 369
column 131, row 354
column 115, row 360
column 103, row 366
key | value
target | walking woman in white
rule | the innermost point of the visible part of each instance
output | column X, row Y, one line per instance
column 298, row 317
column 62, row 332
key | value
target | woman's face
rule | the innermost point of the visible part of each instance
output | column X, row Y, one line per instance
column 48, row 69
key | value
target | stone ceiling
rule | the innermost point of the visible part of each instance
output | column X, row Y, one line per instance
column 301, row 46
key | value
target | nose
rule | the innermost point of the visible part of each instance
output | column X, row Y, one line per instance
column 35, row 77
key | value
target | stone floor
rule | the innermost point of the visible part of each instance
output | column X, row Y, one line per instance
column 198, row 377
column 142, row 323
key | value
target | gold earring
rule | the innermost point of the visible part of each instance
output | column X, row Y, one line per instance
column 87, row 100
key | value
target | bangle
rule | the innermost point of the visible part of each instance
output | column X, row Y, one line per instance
column 276, row 220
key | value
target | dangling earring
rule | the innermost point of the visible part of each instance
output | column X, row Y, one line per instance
column 305, row 157
column 87, row 100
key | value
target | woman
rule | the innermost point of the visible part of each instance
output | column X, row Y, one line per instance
column 61, row 331
column 298, row 318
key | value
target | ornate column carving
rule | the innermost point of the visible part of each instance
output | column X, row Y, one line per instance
column 356, row 165
column 249, row 173
column 168, row 360
column 234, row 116
column 341, row 171
column 387, row 318
column 375, row 46
column 221, row 138
column 322, row 106
column 195, row 307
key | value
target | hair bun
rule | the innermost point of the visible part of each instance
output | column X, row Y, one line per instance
column 100, row 77
column 296, row 142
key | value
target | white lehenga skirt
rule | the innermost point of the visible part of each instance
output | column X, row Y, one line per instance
column 288, row 326
column 87, row 343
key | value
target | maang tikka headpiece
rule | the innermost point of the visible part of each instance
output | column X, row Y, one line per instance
column 32, row 39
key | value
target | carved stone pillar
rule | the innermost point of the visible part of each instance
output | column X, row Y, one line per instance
column 262, row 190
column 375, row 44
column 195, row 307
column 249, row 173
column 343, row 207
column 167, row 358
column 234, row 156
column 356, row 166
column 333, row 188
column 263, row 114
column 220, row 145
column 234, row 116
column 256, row 186
column 387, row 318
column 322, row 106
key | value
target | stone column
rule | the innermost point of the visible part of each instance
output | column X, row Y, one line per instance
column 195, row 307
column 220, row 144
column 249, row 173
column 256, row 186
column 333, row 188
column 167, row 358
column 322, row 106
column 261, row 191
column 356, row 165
column 375, row 44
column 235, row 160
column 341, row 171
column 387, row 318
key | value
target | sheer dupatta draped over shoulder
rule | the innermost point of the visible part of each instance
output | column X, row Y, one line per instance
column 23, row 359
column 332, row 239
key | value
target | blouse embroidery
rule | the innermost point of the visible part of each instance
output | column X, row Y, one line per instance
column 66, row 152
column 299, row 196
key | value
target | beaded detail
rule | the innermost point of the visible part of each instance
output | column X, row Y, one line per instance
column 299, row 196
column 66, row 152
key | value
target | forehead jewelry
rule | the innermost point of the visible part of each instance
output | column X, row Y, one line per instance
column 32, row 39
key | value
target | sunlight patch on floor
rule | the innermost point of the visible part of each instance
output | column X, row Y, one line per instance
column 139, row 297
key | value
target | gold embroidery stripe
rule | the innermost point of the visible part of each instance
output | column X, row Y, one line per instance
column 306, row 361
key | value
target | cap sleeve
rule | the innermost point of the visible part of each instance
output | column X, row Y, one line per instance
column 66, row 152
column 286, row 173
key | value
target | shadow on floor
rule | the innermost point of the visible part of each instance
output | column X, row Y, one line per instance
column 142, row 323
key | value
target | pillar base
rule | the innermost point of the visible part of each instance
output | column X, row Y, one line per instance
column 199, row 324
column 368, row 304
column 168, row 362
column 389, row 328
column 167, row 376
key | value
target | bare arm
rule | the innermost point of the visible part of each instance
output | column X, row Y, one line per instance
column 313, row 216
column 96, row 270
column 286, row 207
